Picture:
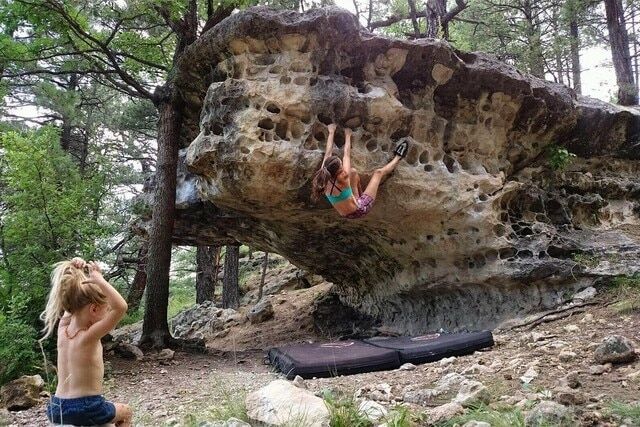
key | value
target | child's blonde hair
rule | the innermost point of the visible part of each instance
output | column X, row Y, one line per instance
column 68, row 293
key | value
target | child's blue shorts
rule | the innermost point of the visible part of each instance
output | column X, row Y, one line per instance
column 83, row 411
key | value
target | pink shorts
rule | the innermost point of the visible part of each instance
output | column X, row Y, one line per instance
column 365, row 203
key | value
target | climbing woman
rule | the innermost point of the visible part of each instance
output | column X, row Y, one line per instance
column 340, row 183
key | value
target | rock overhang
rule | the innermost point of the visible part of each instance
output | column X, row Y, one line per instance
column 473, row 206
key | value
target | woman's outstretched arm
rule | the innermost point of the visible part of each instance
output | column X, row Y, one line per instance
column 329, row 148
column 346, row 157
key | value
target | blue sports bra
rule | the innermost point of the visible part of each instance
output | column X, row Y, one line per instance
column 344, row 194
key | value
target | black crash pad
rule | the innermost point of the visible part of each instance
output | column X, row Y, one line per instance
column 432, row 347
column 332, row 358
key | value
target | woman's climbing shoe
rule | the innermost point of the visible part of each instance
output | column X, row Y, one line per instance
column 402, row 149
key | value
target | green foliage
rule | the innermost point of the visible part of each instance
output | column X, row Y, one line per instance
column 402, row 416
column 626, row 289
column 586, row 260
column 505, row 416
column 229, row 404
column 559, row 157
column 18, row 352
column 626, row 411
column 50, row 213
column 344, row 412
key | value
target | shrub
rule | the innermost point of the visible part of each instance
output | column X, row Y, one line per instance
column 18, row 351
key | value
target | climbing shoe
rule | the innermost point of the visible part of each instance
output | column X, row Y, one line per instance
column 402, row 149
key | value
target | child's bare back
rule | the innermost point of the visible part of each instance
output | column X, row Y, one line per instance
column 91, row 307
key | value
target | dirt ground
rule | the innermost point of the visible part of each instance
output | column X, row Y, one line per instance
column 196, row 387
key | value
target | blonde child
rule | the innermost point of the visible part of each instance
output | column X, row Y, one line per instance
column 88, row 307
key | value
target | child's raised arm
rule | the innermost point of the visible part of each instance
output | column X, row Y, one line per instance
column 114, row 299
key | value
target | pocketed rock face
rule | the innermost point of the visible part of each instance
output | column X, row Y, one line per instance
column 471, row 228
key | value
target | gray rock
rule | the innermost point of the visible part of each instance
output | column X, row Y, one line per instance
column 129, row 351
column 260, row 312
column 615, row 349
column 529, row 376
column 449, row 381
column 472, row 393
column 380, row 392
column 474, row 423
column 372, row 410
column 165, row 354
column 4, row 416
column 444, row 412
column 586, row 294
column 420, row 397
column 599, row 369
column 282, row 403
column 231, row 422
column 407, row 367
column 567, row 356
column 567, row 396
column 298, row 381
column 23, row 393
column 571, row 380
column 547, row 413
column 447, row 361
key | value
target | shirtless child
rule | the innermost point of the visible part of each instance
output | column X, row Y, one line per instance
column 88, row 308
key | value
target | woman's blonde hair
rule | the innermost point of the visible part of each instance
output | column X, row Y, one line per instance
column 69, row 292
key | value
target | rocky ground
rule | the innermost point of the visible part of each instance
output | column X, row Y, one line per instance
column 542, row 361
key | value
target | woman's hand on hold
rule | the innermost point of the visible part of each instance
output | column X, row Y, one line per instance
column 332, row 127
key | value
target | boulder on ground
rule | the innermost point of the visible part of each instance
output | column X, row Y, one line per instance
column 260, row 312
column 372, row 410
column 129, row 351
column 23, row 393
column 281, row 403
column 547, row 413
column 472, row 393
column 615, row 349
column 445, row 412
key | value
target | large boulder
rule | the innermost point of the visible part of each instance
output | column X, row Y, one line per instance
column 615, row 349
column 280, row 403
column 23, row 393
column 474, row 226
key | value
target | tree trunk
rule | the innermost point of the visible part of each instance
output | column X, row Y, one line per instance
column 436, row 9
column 635, row 43
column 265, row 263
column 559, row 68
column 155, row 328
column 535, row 58
column 206, row 274
column 414, row 19
column 619, row 43
column 230, row 288
column 139, row 280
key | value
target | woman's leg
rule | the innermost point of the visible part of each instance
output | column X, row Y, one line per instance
column 354, row 179
column 378, row 174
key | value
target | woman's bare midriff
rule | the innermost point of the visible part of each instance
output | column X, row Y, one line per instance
column 346, row 207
